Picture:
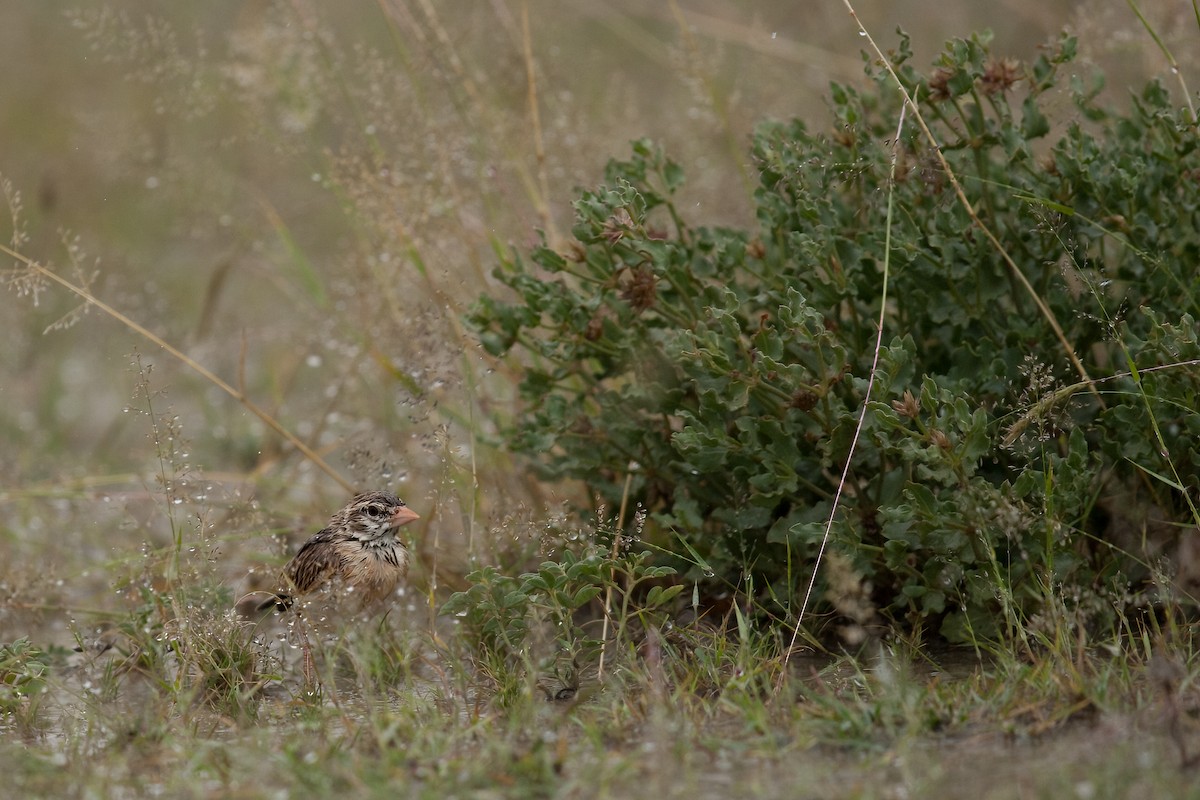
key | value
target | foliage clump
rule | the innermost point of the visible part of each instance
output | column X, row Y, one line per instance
column 723, row 371
column 22, row 673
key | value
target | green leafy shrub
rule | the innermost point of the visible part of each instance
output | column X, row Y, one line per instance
column 724, row 370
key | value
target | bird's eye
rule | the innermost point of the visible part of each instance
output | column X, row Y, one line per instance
column 374, row 510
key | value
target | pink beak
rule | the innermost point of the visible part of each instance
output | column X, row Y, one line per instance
column 404, row 515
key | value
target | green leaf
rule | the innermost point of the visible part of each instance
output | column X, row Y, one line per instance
column 1034, row 124
column 584, row 595
column 660, row 595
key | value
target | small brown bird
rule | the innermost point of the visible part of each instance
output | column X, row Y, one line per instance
column 359, row 551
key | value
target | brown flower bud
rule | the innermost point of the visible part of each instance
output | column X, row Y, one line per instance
column 595, row 327
column 804, row 400
column 575, row 252
column 907, row 405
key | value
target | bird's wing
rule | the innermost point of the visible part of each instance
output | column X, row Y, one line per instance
column 316, row 562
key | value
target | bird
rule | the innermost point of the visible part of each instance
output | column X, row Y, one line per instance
column 358, row 552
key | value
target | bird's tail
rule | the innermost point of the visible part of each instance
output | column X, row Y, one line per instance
column 256, row 605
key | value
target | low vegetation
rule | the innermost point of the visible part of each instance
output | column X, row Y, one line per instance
column 889, row 493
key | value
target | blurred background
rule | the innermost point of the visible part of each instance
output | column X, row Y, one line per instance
column 305, row 198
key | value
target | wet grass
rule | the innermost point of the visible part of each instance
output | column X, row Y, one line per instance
column 206, row 704
column 304, row 204
column 163, row 691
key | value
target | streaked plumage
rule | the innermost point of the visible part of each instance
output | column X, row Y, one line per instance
column 359, row 550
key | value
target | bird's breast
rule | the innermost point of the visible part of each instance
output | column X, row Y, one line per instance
column 374, row 570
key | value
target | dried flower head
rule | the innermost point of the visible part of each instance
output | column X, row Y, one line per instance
column 1000, row 75
column 642, row 289
column 939, row 84
column 616, row 226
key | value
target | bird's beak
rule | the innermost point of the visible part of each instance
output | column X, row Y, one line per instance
column 404, row 515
